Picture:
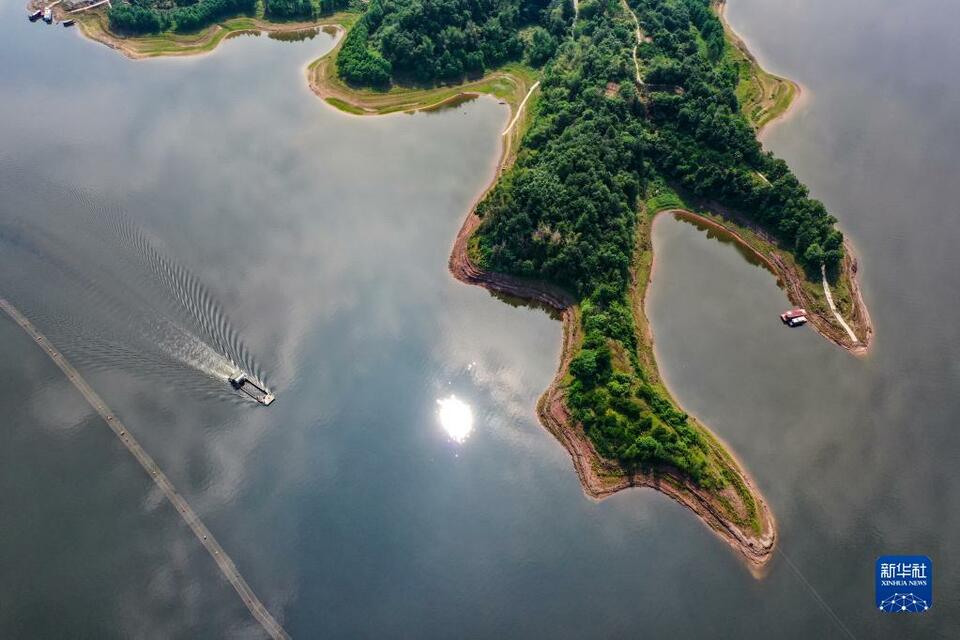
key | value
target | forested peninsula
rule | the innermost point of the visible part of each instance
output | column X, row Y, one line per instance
column 629, row 108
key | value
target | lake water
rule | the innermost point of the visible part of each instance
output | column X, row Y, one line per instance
column 150, row 209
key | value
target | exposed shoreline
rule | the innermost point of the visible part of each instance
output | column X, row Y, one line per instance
column 504, row 83
column 599, row 477
column 93, row 25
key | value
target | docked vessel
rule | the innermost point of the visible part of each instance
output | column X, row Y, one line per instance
column 33, row 17
column 253, row 388
column 787, row 316
column 794, row 317
column 48, row 15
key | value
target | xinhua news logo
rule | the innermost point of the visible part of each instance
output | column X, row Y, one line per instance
column 904, row 584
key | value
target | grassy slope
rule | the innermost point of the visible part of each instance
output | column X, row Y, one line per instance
column 763, row 96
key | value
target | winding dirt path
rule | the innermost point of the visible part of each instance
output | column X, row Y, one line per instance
column 189, row 516
column 90, row 6
column 639, row 34
column 833, row 307
column 520, row 108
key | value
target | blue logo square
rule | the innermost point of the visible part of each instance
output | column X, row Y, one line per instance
column 904, row 584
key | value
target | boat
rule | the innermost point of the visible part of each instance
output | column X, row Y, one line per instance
column 253, row 388
column 787, row 316
column 69, row 23
column 33, row 17
column 48, row 15
column 797, row 321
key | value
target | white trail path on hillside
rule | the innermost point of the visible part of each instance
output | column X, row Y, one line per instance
column 520, row 108
column 836, row 314
column 639, row 34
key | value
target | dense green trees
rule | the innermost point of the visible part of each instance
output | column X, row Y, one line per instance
column 443, row 39
column 151, row 16
column 566, row 211
column 135, row 19
column 205, row 12
column 139, row 17
column 359, row 63
column 290, row 9
column 541, row 47
column 703, row 142
column 301, row 9
column 430, row 40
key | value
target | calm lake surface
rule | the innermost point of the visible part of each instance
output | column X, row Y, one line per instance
column 157, row 215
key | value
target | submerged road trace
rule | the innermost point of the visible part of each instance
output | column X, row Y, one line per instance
column 189, row 516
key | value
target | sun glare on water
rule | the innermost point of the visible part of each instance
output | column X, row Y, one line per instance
column 456, row 418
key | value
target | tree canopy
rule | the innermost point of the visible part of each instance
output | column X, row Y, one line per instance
column 430, row 40
column 567, row 209
column 140, row 17
column 703, row 142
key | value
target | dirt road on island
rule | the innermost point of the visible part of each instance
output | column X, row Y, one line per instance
column 833, row 307
column 520, row 108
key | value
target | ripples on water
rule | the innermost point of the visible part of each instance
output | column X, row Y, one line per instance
column 110, row 296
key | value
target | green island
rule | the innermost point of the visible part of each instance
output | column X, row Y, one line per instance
column 621, row 109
